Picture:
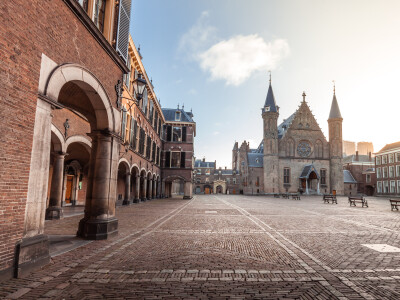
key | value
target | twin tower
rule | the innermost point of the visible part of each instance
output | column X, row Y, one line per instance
column 297, row 156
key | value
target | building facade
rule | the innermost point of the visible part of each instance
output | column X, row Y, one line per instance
column 387, row 166
column 358, row 166
column 80, row 124
column 294, row 155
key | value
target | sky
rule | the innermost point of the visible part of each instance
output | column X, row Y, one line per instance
column 214, row 57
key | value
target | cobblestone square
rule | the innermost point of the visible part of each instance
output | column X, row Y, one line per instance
column 227, row 246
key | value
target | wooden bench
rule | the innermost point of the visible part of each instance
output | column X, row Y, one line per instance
column 328, row 197
column 276, row 196
column 354, row 200
column 286, row 196
column 394, row 204
column 295, row 196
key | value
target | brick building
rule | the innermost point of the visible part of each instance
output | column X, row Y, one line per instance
column 387, row 166
column 349, row 148
column 208, row 179
column 364, row 148
column 359, row 165
column 80, row 124
column 294, row 156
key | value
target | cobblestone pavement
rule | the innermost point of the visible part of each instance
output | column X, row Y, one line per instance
column 226, row 246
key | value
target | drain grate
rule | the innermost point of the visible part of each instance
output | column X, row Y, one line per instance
column 382, row 247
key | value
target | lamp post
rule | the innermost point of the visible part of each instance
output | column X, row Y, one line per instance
column 139, row 84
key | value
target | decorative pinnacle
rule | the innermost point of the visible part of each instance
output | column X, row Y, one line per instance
column 334, row 87
column 304, row 96
column 269, row 77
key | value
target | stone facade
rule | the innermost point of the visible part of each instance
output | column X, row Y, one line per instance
column 294, row 156
column 387, row 166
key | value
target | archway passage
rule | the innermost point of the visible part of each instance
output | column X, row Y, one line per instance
column 309, row 180
column 135, row 184
column 177, row 186
column 123, row 184
column 219, row 189
column 369, row 190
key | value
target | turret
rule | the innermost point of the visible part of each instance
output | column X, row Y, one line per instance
column 270, row 114
column 336, row 146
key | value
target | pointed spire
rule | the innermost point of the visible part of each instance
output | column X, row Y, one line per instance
column 304, row 96
column 270, row 100
column 335, row 111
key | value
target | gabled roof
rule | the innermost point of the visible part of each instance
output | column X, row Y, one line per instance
column 204, row 164
column 347, row 177
column 389, row 147
column 284, row 126
column 169, row 115
column 270, row 100
column 255, row 160
column 307, row 171
column 335, row 111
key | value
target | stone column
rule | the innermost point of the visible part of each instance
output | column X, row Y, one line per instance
column 154, row 195
column 99, row 221
column 150, row 192
column 54, row 211
column 187, row 190
column 144, row 189
column 158, row 187
column 137, row 190
column 162, row 189
column 127, row 200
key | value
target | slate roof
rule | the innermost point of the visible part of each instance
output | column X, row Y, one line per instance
column 361, row 158
column 335, row 111
column 224, row 172
column 204, row 164
column 390, row 147
column 284, row 126
column 307, row 171
column 270, row 100
column 347, row 177
column 255, row 160
column 169, row 115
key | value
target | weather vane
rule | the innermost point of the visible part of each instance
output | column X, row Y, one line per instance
column 269, row 77
column 334, row 87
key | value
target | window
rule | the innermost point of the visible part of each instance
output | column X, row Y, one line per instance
column 385, row 172
column 228, row 180
column 148, row 147
column 234, row 180
column 208, row 172
column 258, row 181
column 175, row 159
column 198, row 172
column 84, row 4
column 127, row 77
column 177, row 134
column 379, row 185
column 286, row 175
column 153, row 153
column 99, row 13
column 155, row 120
column 378, row 173
column 141, row 141
column 386, row 187
column 207, row 180
column 144, row 102
column 132, row 141
column 151, row 113
column 398, row 186
column 323, row 176
column 378, row 160
column 368, row 178
column 198, row 180
column 391, row 158
column 384, row 159
column 398, row 157
column 183, row 134
column 392, row 186
column 123, row 124
column 177, row 116
column 391, row 171
column 398, row 170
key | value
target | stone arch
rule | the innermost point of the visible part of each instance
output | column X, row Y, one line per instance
column 83, row 78
column 79, row 139
column 57, row 139
column 124, row 161
column 135, row 166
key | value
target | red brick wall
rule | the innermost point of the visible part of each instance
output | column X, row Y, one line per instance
column 76, row 124
column 28, row 29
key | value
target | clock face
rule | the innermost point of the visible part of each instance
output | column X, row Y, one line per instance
column 304, row 149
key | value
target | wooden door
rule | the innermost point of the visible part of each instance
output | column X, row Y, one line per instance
column 68, row 192
column 207, row 191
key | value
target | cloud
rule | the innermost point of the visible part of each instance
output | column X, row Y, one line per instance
column 197, row 38
column 216, row 133
column 236, row 59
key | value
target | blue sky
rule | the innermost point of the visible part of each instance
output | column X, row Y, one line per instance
column 214, row 57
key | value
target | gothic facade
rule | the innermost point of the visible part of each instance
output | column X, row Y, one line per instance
column 293, row 156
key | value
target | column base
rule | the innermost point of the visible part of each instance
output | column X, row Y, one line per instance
column 54, row 213
column 97, row 229
column 136, row 200
column 31, row 253
column 126, row 202
column 149, row 198
column 187, row 197
column 143, row 199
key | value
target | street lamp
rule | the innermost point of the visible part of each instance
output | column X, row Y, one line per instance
column 140, row 86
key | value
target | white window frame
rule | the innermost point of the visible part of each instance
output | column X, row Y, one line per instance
column 384, row 159
column 378, row 160
column 386, row 187
column 378, row 173
column 398, row 186
column 368, row 178
column 397, row 156
column 391, row 172
column 379, row 187
column 397, row 170
column 384, row 172
column 391, row 158
column 392, row 186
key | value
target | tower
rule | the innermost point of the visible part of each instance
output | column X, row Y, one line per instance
column 270, row 114
column 336, row 147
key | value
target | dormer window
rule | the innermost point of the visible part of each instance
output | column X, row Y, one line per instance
column 177, row 116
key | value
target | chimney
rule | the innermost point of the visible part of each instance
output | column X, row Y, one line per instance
column 370, row 156
column 204, row 159
column 357, row 155
column 225, row 167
